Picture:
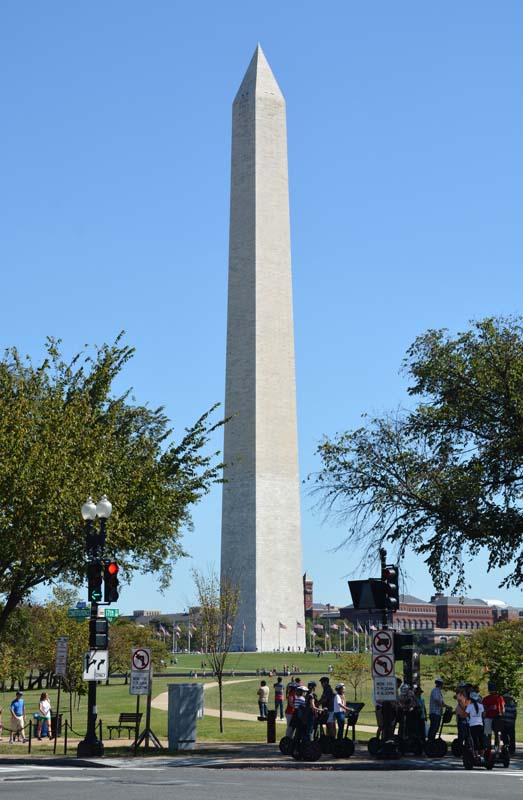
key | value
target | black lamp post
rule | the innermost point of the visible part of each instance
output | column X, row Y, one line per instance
column 94, row 548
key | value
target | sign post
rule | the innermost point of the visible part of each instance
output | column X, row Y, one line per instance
column 141, row 684
column 383, row 666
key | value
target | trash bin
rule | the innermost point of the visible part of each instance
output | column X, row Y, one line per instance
column 185, row 706
column 56, row 725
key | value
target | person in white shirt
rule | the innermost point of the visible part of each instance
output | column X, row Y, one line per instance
column 340, row 708
column 44, row 715
column 474, row 711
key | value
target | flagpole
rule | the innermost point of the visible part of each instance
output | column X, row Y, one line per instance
column 261, row 637
column 243, row 637
column 279, row 637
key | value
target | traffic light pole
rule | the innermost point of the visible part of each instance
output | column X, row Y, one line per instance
column 91, row 745
column 94, row 546
column 384, row 615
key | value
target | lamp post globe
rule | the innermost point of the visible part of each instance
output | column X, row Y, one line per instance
column 88, row 510
column 104, row 507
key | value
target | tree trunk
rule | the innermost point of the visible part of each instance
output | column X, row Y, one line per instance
column 220, row 693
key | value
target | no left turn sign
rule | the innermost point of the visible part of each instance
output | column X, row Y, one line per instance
column 141, row 659
column 382, row 666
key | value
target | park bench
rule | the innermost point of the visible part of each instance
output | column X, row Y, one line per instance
column 128, row 720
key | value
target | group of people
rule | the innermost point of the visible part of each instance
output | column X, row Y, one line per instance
column 479, row 713
column 17, row 718
column 302, row 706
column 474, row 715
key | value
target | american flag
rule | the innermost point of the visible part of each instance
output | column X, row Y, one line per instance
column 262, row 626
column 327, row 636
column 334, row 628
column 360, row 628
column 299, row 624
column 347, row 627
column 229, row 627
column 162, row 630
column 318, row 627
column 244, row 627
column 373, row 628
column 282, row 625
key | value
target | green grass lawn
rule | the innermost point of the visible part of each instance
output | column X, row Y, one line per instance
column 115, row 698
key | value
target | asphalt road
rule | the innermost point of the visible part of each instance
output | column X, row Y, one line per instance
column 144, row 782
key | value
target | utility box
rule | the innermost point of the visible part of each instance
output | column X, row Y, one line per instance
column 185, row 707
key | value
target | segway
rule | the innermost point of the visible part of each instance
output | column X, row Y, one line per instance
column 344, row 748
column 500, row 751
column 472, row 758
column 438, row 747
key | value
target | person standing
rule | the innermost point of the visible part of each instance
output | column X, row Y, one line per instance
column 17, row 708
column 475, row 710
column 494, row 706
column 327, row 701
column 44, row 715
column 279, row 695
column 509, row 717
column 340, row 709
column 263, row 699
column 436, row 708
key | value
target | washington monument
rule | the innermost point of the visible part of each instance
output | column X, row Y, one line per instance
column 261, row 532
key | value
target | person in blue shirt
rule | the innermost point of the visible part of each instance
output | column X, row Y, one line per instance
column 17, row 719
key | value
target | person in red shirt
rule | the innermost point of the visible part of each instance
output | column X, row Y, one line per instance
column 494, row 705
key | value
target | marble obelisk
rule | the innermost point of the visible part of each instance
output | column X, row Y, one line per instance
column 261, row 530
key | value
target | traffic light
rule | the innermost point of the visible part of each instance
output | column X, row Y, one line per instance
column 111, row 582
column 99, row 634
column 94, row 581
column 403, row 646
column 390, row 580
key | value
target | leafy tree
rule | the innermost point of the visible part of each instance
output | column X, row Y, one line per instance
column 64, row 435
column 353, row 669
column 490, row 654
column 218, row 601
column 124, row 635
column 445, row 478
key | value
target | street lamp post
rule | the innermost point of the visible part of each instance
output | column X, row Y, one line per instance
column 94, row 548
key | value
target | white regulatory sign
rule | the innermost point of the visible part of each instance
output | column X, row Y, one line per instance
column 140, row 659
column 140, row 682
column 96, row 665
column 383, row 643
column 61, row 656
column 385, row 689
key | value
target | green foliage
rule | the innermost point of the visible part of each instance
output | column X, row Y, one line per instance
column 353, row 669
column 64, row 436
column 445, row 478
column 490, row 654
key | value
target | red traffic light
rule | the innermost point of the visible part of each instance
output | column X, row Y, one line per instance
column 112, row 568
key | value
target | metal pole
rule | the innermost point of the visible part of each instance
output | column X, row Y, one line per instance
column 91, row 745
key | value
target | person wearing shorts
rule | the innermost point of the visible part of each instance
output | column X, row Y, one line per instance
column 17, row 718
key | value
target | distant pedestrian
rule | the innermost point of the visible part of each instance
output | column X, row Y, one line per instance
column 327, row 701
column 436, row 708
column 509, row 717
column 44, row 715
column 289, row 708
column 279, row 696
column 17, row 709
column 494, row 706
column 339, row 708
column 263, row 699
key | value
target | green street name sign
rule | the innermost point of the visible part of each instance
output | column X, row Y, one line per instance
column 112, row 613
column 79, row 613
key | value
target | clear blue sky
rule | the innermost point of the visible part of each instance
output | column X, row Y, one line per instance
column 406, row 171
